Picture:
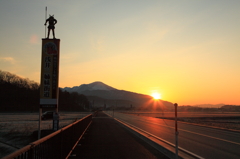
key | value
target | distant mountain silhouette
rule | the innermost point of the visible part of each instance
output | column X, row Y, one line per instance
column 102, row 94
column 22, row 94
column 89, row 87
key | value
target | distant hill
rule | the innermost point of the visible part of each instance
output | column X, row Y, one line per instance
column 231, row 108
column 22, row 94
column 17, row 93
column 15, row 80
column 89, row 87
column 110, row 96
column 210, row 105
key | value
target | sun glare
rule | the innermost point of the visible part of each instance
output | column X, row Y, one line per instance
column 156, row 95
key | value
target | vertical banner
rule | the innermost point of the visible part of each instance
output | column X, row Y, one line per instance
column 49, row 73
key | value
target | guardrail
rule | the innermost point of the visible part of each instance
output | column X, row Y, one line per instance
column 59, row 144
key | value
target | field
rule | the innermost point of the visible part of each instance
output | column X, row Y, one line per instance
column 16, row 128
column 227, row 120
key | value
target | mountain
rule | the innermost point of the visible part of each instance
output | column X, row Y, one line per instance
column 89, row 87
column 101, row 94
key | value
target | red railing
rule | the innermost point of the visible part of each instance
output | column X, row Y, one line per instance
column 59, row 144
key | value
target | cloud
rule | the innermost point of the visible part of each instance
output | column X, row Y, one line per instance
column 33, row 39
column 8, row 59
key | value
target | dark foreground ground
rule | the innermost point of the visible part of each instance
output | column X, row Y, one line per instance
column 106, row 139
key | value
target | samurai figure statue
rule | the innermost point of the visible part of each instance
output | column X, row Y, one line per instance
column 51, row 22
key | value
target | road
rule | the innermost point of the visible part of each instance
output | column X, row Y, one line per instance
column 206, row 142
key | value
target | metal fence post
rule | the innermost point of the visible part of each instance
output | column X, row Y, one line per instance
column 176, row 130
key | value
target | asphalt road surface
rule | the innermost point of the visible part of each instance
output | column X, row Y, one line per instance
column 106, row 139
column 209, row 143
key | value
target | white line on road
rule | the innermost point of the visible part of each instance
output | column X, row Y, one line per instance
column 193, row 132
column 182, row 149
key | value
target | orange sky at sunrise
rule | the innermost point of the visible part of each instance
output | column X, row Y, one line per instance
column 187, row 51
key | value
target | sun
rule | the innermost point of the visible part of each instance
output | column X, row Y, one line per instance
column 156, row 95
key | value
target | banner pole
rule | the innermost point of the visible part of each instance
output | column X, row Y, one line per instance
column 45, row 20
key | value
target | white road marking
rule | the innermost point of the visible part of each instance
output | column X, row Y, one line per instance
column 192, row 132
column 182, row 149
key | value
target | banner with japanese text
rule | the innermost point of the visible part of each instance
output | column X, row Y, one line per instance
column 49, row 73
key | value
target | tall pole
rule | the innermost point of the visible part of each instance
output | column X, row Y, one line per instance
column 45, row 20
column 176, row 130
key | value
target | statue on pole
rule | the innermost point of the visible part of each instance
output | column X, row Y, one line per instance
column 51, row 25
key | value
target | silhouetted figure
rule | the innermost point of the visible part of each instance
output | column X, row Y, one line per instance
column 51, row 22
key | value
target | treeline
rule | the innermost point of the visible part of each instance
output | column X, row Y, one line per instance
column 22, row 94
column 73, row 101
column 231, row 108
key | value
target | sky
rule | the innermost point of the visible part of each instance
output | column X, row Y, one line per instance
column 187, row 50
